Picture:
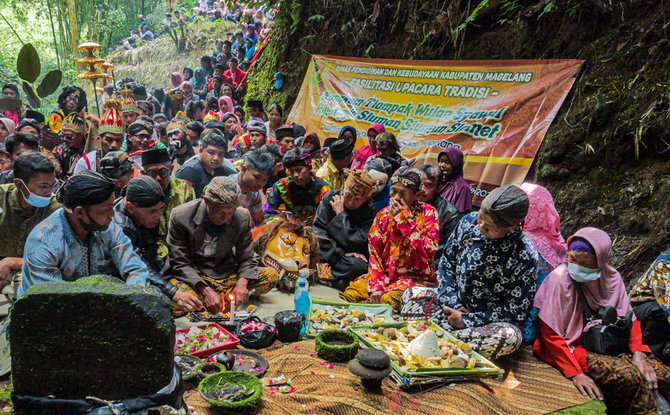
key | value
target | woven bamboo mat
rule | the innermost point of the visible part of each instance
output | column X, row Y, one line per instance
column 529, row 386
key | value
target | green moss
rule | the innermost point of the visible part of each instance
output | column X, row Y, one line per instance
column 335, row 353
column 242, row 378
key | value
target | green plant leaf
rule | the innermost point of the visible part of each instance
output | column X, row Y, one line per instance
column 50, row 83
column 33, row 101
column 28, row 63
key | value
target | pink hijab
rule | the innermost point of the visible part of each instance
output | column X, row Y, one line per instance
column 229, row 107
column 177, row 79
column 557, row 298
column 367, row 151
column 543, row 225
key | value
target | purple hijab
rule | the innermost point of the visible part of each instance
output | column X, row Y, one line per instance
column 455, row 188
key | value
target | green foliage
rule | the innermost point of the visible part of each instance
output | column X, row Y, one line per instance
column 28, row 63
column 50, row 83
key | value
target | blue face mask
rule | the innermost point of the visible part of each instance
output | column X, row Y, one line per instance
column 582, row 274
column 35, row 200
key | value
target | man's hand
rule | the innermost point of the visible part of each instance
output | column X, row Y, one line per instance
column 187, row 302
column 375, row 297
column 213, row 302
column 454, row 317
column 240, row 291
column 396, row 206
column 587, row 386
column 337, row 204
column 641, row 362
column 356, row 255
column 8, row 265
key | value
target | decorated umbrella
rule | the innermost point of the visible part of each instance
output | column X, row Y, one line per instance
column 92, row 74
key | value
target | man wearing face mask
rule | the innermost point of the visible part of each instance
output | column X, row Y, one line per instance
column 80, row 239
column 487, row 277
column 23, row 204
column 342, row 223
column 211, row 248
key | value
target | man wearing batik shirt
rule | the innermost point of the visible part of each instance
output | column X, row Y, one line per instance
column 402, row 244
column 301, row 192
column 156, row 164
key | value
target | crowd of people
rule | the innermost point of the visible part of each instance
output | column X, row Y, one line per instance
column 261, row 19
column 170, row 188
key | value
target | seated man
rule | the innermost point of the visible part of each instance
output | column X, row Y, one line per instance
column 118, row 167
column 402, row 244
column 487, row 277
column 211, row 248
column 138, row 213
column 335, row 169
column 342, row 224
column 200, row 170
column 301, row 192
column 80, row 239
column 256, row 169
column 23, row 204
column 157, row 165
column 447, row 214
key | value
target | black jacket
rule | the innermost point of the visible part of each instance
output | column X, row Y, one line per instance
column 448, row 216
column 145, row 245
column 343, row 233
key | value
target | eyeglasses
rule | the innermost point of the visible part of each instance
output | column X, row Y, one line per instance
column 72, row 98
column 158, row 172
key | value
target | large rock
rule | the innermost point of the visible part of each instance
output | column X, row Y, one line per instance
column 93, row 337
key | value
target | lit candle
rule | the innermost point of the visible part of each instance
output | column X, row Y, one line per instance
column 232, row 309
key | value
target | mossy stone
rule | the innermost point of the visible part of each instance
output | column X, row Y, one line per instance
column 343, row 351
column 93, row 337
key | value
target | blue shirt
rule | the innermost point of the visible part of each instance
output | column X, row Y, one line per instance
column 54, row 253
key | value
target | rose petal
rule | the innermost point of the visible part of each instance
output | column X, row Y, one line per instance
column 330, row 366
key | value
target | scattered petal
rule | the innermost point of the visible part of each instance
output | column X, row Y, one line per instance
column 312, row 372
column 311, row 354
column 296, row 348
column 332, row 376
column 322, row 363
column 330, row 366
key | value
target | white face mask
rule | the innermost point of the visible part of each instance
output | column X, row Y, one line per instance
column 35, row 200
column 582, row 274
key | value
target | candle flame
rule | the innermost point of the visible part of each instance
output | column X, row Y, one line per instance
column 231, row 297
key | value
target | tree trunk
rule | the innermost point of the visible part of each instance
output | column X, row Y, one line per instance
column 53, row 31
column 74, row 26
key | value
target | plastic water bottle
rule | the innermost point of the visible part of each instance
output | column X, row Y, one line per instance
column 301, row 298
column 662, row 406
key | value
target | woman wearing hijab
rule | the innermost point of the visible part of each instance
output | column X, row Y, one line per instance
column 225, row 106
column 627, row 381
column 368, row 150
column 187, row 89
column 455, row 188
column 187, row 73
column 176, row 79
column 199, row 81
column 487, row 277
column 543, row 227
